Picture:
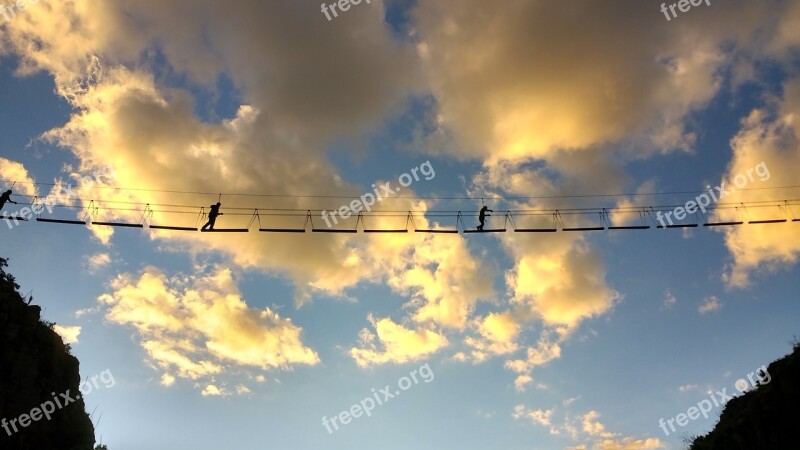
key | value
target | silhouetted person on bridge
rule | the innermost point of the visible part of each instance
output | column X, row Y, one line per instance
column 6, row 197
column 212, row 217
column 482, row 217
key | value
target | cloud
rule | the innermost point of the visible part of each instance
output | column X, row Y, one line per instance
column 521, row 382
column 563, row 287
column 394, row 343
column 585, row 427
column 541, row 417
column 212, row 391
column 198, row 326
column 167, row 380
column 537, row 416
column 16, row 171
column 513, row 104
column 446, row 280
column 498, row 333
column 547, row 349
column 294, row 106
column 508, row 95
column 709, row 304
column 117, row 103
column 591, row 424
column 503, row 93
column 98, row 261
column 68, row 334
column 766, row 151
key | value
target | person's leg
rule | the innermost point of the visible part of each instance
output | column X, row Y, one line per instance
column 212, row 221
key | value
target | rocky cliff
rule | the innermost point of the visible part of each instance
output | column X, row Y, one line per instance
column 39, row 380
column 765, row 418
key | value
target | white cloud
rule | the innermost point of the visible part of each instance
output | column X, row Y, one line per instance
column 592, row 426
column 394, row 343
column 547, row 349
column 16, row 171
column 212, row 391
column 766, row 146
column 522, row 381
column 585, row 427
column 167, row 380
column 98, row 261
column 68, row 334
column 709, row 304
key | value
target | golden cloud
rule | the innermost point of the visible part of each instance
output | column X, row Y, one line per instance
column 587, row 427
column 198, row 326
column 766, row 154
column 394, row 343
column 13, row 170
column 498, row 334
column 68, row 334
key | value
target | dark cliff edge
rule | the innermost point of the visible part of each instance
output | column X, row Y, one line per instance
column 37, row 374
column 765, row 418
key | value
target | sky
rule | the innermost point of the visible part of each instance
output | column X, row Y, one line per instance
column 562, row 115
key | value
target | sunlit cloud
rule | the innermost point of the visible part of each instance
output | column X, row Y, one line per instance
column 212, row 391
column 771, row 138
column 547, row 349
column 68, row 334
column 394, row 343
column 538, row 416
column 98, row 261
column 498, row 333
column 16, row 171
column 585, row 427
column 195, row 327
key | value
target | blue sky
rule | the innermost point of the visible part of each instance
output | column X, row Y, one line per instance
column 567, row 340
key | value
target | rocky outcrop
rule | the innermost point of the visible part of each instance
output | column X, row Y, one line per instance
column 37, row 374
column 765, row 418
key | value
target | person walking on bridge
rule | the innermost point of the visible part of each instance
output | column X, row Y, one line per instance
column 482, row 217
column 212, row 217
column 6, row 197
